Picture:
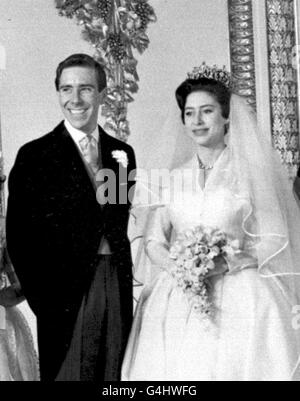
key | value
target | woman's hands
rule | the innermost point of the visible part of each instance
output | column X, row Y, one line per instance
column 221, row 267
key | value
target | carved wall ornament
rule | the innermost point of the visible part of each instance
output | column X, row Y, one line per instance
column 114, row 28
column 281, row 28
column 242, row 48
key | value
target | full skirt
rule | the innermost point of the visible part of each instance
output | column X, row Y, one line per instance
column 250, row 338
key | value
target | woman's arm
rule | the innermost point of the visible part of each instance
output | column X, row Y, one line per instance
column 158, row 235
column 159, row 255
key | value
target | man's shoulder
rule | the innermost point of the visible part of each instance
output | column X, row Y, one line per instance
column 44, row 142
column 114, row 143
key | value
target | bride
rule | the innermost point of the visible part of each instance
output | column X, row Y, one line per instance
column 235, row 183
column 18, row 359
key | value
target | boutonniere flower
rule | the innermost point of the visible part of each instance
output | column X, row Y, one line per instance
column 121, row 157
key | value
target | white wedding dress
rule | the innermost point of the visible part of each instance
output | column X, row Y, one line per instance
column 250, row 338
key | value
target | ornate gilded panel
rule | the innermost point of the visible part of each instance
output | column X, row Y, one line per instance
column 2, row 180
column 282, row 41
column 242, row 48
column 2, row 176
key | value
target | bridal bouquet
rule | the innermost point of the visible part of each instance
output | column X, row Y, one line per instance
column 195, row 253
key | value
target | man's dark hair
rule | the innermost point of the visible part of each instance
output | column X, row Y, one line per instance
column 82, row 60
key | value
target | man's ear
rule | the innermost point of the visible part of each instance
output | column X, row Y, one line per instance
column 102, row 95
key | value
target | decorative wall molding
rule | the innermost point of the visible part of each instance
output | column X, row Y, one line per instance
column 282, row 42
column 2, row 178
column 242, row 48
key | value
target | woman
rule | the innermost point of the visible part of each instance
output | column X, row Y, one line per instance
column 236, row 184
column 18, row 360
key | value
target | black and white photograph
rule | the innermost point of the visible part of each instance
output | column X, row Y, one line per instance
column 149, row 193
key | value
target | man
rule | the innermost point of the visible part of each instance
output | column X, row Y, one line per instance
column 71, row 253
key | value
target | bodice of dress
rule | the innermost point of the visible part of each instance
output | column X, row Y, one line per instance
column 217, row 206
column 189, row 205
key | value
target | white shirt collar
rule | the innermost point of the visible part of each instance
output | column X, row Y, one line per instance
column 78, row 135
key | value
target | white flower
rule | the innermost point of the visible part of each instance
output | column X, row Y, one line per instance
column 121, row 157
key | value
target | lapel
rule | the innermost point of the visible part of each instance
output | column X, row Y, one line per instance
column 65, row 155
column 75, row 180
column 106, row 161
column 105, row 150
column 71, row 203
column 109, row 144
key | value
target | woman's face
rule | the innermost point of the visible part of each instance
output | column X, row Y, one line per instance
column 203, row 119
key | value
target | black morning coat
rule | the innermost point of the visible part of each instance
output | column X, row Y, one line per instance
column 54, row 227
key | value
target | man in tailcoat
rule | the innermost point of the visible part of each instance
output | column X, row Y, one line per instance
column 70, row 249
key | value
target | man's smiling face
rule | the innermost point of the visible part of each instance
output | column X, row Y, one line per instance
column 79, row 97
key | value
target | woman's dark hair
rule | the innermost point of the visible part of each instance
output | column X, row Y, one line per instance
column 215, row 88
column 82, row 60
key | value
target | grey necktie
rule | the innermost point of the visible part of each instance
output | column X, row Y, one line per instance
column 89, row 147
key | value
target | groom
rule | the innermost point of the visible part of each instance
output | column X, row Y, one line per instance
column 70, row 252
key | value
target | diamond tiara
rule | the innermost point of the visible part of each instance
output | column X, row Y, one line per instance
column 215, row 73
